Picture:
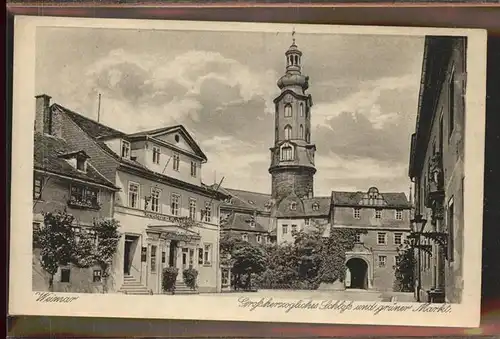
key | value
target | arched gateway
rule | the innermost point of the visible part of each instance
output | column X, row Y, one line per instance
column 358, row 272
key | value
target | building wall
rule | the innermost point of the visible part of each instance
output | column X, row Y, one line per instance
column 453, row 152
column 301, row 225
column 286, row 181
column 55, row 195
column 134, row 221
column 344, row 215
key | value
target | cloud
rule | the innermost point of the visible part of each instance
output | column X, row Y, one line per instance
column 364, row 90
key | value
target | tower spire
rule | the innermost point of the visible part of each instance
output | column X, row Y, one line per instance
column 293, row 36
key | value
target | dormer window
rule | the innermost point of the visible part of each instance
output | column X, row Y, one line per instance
column 125, row 149
column 293, row 206
column 315, row 206
column 252, row 223
column 81, row 163
column 287, row 152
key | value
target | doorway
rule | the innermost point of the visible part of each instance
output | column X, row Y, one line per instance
column 359, row 273
column 172, row 255
column 128, row 253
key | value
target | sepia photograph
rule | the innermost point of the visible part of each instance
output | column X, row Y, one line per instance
column 261, row 166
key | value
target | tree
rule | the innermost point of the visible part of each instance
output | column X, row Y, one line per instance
column 404, row 270
column 340, row 241
column 107, row 243
column 56, row 240
column 247, row 260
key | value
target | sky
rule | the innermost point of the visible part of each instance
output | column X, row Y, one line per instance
column 221, row 86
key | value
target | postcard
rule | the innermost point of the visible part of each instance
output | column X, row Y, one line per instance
column 247, row 171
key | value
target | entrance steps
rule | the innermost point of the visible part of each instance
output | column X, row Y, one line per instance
column 133, row 286
column 182, row 288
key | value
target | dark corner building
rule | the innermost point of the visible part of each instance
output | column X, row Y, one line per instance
column 437, row 170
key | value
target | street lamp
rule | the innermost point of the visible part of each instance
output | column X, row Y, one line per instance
column 419, row 223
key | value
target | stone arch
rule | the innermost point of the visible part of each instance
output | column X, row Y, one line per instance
column 360, row 269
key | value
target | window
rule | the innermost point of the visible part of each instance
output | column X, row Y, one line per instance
column 451, row 104
column 133, row 195
column 259, row 239
column 163, row 257
column 207, row 252
column 301, row 109
column 398, row 237
column 382, row 260
column 65, row 275
column 37, row 187
column 244, row 237
column 125, row 149
column 315, row 206
column 293, row 206
column 451, row 230
column 399, row 215
column 176, row 161
column 174, row 204
column 397, row 260
column 288, row 132
column 193, row 169
column 285, row 229
column 381, row 238
column 356, row 213
column 308, row 135
column 225, row 278
column 83, row 196
column 77, row 230
column 307, row 221
column 80, row 163
column 288, row 111
column 155, row 200
column 200, row 256
column 357, row 238
column 156, row 155
column 208, row 211
column 192, row 209
column 252, row 223
column 294, row 228
column 97, row 276
column 301, row 132
column 287, row 153
column 378, row 214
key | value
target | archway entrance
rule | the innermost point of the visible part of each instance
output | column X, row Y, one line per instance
column 359, row 273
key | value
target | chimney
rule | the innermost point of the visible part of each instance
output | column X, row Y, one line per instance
column 43, row 118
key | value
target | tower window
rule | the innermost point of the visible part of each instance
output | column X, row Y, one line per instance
column 301, row 109
column 315, row 206
column 288, row 111
column 308, row 136
column 287, row 153
column 288, row 132
column 301, row 132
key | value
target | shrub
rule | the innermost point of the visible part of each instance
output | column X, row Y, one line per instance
column 169, row 278
column 190, row 276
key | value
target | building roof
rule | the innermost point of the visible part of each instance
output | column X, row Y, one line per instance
column 248, row 200
column 293, row 206
column 242, row 222
column 100, row 132
column 392, row 199
column 49, row 154
column 93, row 128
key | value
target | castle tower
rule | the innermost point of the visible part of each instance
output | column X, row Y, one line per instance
column 292, row 156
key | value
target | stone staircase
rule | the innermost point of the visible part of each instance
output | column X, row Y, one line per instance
column 133, row 286
column 182, row 288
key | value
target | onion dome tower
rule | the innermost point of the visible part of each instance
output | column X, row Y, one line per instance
column 292, row 156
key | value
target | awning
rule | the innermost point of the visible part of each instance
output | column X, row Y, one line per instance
column 171, row 231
